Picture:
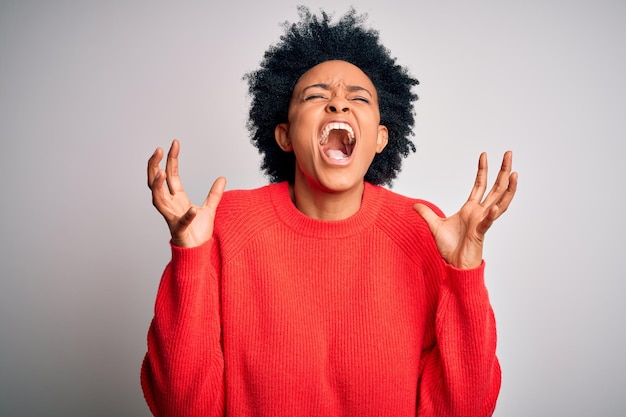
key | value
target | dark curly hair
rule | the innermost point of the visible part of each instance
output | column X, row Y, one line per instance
column 307, row 43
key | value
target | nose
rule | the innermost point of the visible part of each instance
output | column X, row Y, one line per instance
column 333, row 109
column 337, row 104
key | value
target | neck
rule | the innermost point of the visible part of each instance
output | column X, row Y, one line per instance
column 323, row 204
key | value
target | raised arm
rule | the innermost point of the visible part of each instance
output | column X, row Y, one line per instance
column 182, row 373
column 460, row 373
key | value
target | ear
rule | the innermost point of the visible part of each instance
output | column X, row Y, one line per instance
column 382, row 139
column 281, row 134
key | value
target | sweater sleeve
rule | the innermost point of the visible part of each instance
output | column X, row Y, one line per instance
column 460, row 373
column 182, row 373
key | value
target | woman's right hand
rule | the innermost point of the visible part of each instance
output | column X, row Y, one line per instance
column 189, row 225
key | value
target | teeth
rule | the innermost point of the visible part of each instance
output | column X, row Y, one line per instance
column 338, row 126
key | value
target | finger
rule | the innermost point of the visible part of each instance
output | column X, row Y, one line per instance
column 160, row 195
column 153, row 165
column 215, row 194
column 497, row 209
column 502, row 180
column 507, row 196
column 430, row 217
column 480, row 184
column 171, row 168
column 485, row 224
column 180, row 230
column 186, row 219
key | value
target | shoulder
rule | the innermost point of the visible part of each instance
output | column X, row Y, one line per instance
column 243, row 211
column 242, row 199
column 400, row 222
column 392, row 202
column 247, row 203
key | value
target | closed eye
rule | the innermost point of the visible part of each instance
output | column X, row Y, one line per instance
column 360, row 98
column 313, row 97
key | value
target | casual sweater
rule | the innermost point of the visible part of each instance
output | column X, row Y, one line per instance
column 280, row 314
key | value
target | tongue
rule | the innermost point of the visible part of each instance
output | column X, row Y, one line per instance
column 335, row 144
column 336, row 154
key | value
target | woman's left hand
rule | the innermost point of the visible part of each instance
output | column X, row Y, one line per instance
column 460, row 237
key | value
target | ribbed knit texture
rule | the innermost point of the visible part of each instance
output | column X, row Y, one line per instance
column 284, row 315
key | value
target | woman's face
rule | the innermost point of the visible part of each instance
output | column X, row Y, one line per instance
column 333, row 126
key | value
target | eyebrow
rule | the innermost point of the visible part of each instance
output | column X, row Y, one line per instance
column 327, row 87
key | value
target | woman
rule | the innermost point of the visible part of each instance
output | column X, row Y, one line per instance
column 324, row 293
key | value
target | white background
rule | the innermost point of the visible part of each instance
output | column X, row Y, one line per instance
column 88, row 89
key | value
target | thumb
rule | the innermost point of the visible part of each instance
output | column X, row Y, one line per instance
column 215, row 194
column 427, row 214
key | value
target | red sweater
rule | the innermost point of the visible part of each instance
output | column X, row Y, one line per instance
column 284, row 315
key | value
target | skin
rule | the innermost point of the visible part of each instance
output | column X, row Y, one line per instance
column 329, row 189
column 333, row 91
column 460, row 237
column 189, row 225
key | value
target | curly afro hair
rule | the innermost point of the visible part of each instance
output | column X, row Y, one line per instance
column 307, row 43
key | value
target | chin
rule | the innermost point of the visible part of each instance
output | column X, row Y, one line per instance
column 338, row 184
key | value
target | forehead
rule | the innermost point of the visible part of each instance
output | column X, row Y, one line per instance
column 333, row 73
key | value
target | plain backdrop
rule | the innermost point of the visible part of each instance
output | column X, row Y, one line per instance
column 88, row 90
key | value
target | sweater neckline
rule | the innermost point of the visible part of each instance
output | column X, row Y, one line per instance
column 302, row 224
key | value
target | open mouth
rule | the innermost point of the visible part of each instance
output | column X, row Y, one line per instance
column 337, row 140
